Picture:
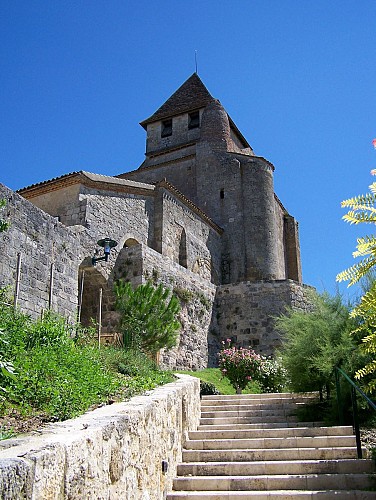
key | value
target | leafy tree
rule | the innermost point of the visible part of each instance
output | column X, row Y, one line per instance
column 362, row 210
column 314, row 342
column 148, row 316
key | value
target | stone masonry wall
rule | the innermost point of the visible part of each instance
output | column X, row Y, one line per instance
column 139, row 264
column 57, row 202
column 179, row 169
column 181, row 134
column 245, row 311
column 114, row 452
column 188, row 240
column 280, row 241
column 47, row 249
column 120, row 216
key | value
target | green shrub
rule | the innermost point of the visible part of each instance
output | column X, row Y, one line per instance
column 314, row 342
column 183, row 294
column 51, row 329
column 139, row 371
column 273, row 376
column 207, row 389
column 6, row 433
column 3, row 223
column 239, row 365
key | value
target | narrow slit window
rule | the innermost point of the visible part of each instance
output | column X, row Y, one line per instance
column 166, row 130
column 222, row 194
column 194, row 119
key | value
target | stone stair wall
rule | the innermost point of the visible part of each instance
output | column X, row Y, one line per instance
column 253, row 447
column 114, row 452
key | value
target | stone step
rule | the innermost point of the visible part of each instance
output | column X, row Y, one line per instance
column 271, row 395
column 345, row 466
column 274, row 482
column 254, row 402
column 261, row 425
column 253, row 447
column 272, row 443
column 270, row 432
column 279, row 494
column 284, row 405
column 234, row 455
column 280, row 412
column 247, row 419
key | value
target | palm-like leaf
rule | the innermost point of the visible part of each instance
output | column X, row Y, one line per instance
column 367, row 200
column 363, row 216
column 365, row 246
column 356, row 272
column 362, row 210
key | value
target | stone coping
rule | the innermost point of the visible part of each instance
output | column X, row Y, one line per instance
column 115, row 451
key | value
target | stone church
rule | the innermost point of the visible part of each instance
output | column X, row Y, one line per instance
column 199, row 215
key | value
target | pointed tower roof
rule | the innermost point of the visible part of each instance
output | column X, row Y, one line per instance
column 190, row 96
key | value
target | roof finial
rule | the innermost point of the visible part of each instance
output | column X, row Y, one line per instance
column 196, row 62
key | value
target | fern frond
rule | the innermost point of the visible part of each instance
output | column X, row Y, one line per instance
column 365, row 246
column 367, row 200
column 372, row 187
column 356, row 272
column 369, row 368
column 354, row 217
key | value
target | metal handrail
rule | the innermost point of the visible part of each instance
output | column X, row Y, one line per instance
column 354, row 389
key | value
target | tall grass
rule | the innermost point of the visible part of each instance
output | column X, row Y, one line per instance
column 59, row 372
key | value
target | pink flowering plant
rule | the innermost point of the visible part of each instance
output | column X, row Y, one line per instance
column 239, row 365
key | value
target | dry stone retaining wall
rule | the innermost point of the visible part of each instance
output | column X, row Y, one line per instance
column 113, row 452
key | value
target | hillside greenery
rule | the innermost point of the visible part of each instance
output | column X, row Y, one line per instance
column 214, row 377
column 58, row 371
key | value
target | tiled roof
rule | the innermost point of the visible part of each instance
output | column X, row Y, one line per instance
column 190, row 96
column 83, row 177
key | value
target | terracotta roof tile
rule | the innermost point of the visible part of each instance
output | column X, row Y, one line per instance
column 190, row 96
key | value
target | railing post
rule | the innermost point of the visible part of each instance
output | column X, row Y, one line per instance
column 356, row 422
column 339, row 400
column 354, row 390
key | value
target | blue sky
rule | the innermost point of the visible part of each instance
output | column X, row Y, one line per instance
column 298, row 78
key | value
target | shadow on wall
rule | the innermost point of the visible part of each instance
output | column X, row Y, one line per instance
column 96, row 295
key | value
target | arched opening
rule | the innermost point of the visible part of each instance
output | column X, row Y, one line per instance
column 96, row 303
column 130, row 242
column 91, row 282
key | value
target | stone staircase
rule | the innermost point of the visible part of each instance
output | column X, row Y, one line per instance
column 251, row 446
